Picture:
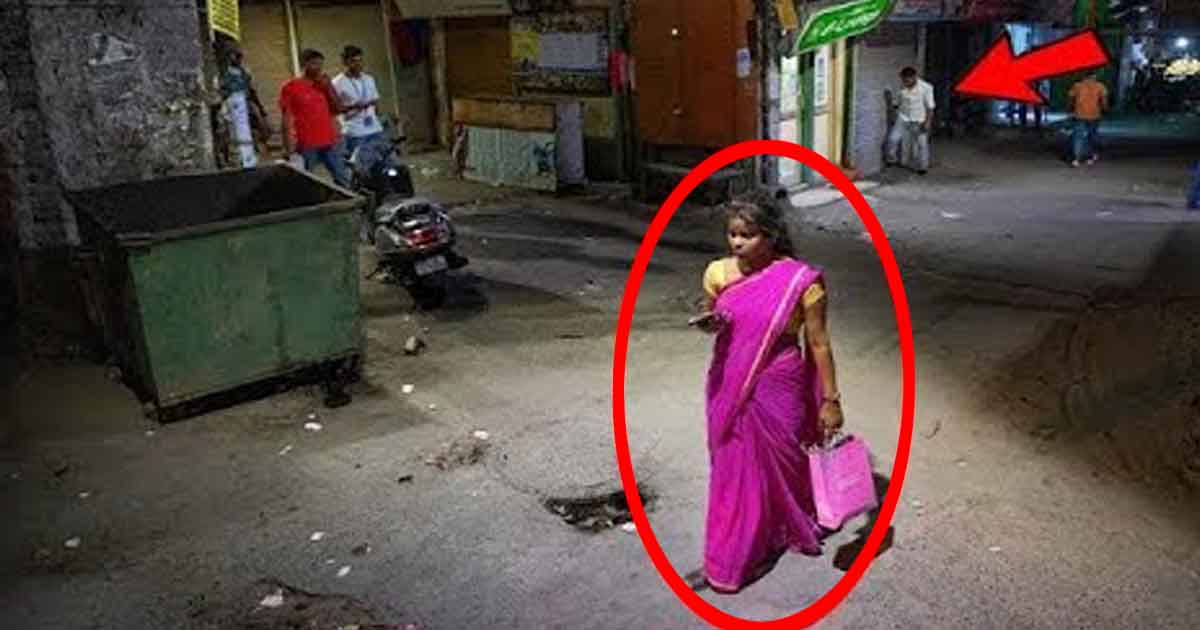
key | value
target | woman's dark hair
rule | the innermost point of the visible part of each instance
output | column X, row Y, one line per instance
column 309, row 54
column 762, row 209
column 350, row 52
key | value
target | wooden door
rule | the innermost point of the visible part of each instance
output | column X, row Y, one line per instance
column 689, row 91
column 657, row 35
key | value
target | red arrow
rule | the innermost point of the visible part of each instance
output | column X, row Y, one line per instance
column 1000, row 74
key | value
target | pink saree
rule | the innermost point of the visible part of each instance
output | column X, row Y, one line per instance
column 763, row 395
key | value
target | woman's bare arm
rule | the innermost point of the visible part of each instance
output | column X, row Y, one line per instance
column 816, row 332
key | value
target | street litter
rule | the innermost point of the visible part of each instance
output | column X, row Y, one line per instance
column 460, row 452
column 408, row 389
column 951, row 215
column 918, row 504
column 404, row 479
column 85, row 494
column 432, row 407
column 344, row 571
column 413, row 346
column 313, row 426
column 361, row 550
column 994, row 549
column 274, row 600
column 317, row 536
column 150, row 433
column 285, row 450
column 430, row 172
column 481, row 435
column 962, row 463
column 312, row 416
column 1103, row 214
column 73, row 543
column 597, row 513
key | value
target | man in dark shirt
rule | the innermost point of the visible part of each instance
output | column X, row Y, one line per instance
column 309, row 104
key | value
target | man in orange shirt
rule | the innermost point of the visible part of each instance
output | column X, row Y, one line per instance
column 1089, row 101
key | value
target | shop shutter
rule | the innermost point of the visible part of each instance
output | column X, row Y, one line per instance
column 329, row 28
column 268, row 54
column 478, row 57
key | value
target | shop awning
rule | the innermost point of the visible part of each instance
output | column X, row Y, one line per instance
column 415, row 9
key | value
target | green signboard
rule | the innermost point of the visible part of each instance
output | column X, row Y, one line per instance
column 839, row 22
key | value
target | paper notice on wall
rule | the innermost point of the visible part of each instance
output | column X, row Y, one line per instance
column 743, row 63
column 525, row 45
column 223, row 17
column 572, row 52
column 821, row 80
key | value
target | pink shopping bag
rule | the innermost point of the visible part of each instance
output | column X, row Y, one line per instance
column 843, row 485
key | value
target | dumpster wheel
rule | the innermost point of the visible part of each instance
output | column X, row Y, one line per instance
column 339, row 376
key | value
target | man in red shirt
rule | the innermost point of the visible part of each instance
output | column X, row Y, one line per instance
column 309, row 104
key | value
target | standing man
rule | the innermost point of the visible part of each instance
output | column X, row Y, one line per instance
column 309, row 104
column 245, row 112
column 914, row 121
column 1089, row 101
column 357, row 92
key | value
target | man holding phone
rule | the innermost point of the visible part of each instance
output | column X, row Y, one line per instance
column 309, row 103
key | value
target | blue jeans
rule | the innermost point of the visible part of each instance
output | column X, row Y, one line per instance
column 1194, row 194
column 331, row 158
column 1084, row 137
column 353, row 142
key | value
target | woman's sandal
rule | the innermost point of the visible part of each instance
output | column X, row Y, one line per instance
column 697, row 581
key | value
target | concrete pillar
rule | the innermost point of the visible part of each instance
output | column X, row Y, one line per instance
column 92, row 96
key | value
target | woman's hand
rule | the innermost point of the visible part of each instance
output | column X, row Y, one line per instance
column 831, row 417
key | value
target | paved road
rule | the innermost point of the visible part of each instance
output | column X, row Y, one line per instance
column 1012, row 516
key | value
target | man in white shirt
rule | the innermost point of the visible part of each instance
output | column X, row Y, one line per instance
column 358, row 94
column 914, row 121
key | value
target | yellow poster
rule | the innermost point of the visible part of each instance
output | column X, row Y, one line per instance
column 787, row 14
column 223, row 17
column 525, row 46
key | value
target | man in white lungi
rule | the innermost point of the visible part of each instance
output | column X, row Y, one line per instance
column 909, row 135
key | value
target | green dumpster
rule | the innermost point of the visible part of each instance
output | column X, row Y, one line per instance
column 210, row 284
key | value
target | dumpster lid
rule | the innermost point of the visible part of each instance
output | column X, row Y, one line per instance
column 179, row 203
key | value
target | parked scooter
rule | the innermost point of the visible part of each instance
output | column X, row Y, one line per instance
column 413, row 237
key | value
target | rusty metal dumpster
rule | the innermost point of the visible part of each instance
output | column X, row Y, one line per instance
column 206, row 284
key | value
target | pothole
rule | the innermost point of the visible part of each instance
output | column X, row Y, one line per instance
column 595, row 514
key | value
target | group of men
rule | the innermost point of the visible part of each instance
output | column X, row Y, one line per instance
column 323, row 118
column 916, row 106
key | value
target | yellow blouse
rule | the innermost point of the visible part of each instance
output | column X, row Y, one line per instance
column 720, row 273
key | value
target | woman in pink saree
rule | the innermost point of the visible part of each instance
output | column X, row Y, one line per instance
column 771, row 393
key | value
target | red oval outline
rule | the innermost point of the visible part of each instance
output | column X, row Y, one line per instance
column 827, row 602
